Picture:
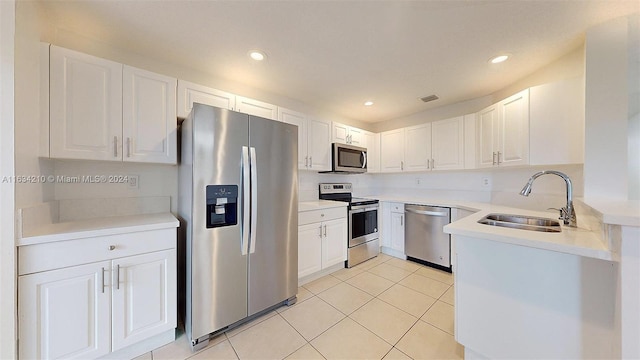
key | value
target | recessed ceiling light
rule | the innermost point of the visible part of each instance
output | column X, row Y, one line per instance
column 368, row 103
column 498, row 59
column 257, row 55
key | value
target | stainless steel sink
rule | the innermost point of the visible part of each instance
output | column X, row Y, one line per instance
column 532, row 223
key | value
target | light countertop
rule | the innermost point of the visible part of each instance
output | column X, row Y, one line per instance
column 616, row 212
column 320, row 204
column 580, row 241
column 98, row 227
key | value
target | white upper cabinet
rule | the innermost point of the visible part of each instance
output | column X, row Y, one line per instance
column 346, row 134
column 85, row 106
column 189, row 93
column 438, row 145
column 319, row 144
column 503, row 132
column 557, row 122
column 447, row 144
column 470, row 125
column 149, row 117
column 300, row 120
column 373, row 152
column 417, row 151
column 102, row 110
column 256, row 108
column 314, row 135
column 392, row 150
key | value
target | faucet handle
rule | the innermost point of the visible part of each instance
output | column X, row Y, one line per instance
column 563, row 212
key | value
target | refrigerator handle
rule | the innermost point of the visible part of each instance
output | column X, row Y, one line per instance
column 254, row 200
column 246, row 200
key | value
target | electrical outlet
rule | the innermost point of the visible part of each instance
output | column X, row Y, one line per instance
column 418, row 181
column 133, row 181
column 486, row 183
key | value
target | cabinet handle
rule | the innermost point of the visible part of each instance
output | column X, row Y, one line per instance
column 401, row 220
column 306, row 161
column 118, row 277
column 433, row 163
column 401, row 165
column 115, row 146
column 112, row 247
column 428, row 163
column 310, row 161
column 498, row 157
column 102, row 280
column 493, row 158
column 129, row 140
column 325, row 231
column 320, row 231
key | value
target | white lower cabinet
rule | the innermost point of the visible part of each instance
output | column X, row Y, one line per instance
column 144, row 297
column 393, row 229
column 322, row 240
column 65, row 313
column 92, row 310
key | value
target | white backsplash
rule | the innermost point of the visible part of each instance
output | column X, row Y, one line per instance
column 499, row 186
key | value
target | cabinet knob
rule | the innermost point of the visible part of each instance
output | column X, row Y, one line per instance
column 112, row 247
column 321, row 215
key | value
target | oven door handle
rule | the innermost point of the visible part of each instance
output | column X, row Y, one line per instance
column 359, row 210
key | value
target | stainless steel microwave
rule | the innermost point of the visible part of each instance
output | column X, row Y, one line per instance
column 348, row 158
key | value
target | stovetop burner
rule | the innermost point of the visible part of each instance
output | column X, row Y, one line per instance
column 342, row 192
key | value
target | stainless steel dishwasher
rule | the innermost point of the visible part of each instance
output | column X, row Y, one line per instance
column 425, row 242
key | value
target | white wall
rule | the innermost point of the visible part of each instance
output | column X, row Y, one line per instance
column 606, row 113
column 634, row 108
column 27, row 107
column 7, row 196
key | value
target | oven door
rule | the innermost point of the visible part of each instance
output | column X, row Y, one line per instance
column 363, row 224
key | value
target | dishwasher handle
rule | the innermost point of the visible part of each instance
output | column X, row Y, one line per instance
column 430, row 213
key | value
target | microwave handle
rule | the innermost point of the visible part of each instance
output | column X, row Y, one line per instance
column 364, row 164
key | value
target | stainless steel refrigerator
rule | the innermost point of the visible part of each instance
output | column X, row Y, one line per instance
column 238, row 203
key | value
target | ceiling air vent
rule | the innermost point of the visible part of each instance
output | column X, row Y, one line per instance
column 429, row 98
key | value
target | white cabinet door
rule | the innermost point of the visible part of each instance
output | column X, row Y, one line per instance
column 392, row 151
column 514, row 135
column 397, row 231
column 319, row 144
column 300, row 120
column 557, row 123
column 144, row 297
column 189, row 93
column 373, row 152
column 65, row 313
column 334, row 247
column 309, row 249
column 149, row 117
column 470, row 125
column 85, row 106
column 447, row 144
column 340, row 133
column 487, row 140
column 256, row 108
column 356, row 137
column 417, row 151
column 346, row 134
column 385, row 225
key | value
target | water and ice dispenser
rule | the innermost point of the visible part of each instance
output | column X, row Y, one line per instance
column 222, row 205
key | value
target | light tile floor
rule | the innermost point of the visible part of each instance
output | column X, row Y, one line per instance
column 385, row 308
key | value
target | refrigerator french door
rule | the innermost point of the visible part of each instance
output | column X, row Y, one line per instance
column 238, row 200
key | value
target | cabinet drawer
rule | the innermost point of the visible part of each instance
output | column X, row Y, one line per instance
column 60, row 254
column 396, row 207
column 313, row 216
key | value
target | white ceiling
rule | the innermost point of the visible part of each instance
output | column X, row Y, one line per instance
column 337, row 54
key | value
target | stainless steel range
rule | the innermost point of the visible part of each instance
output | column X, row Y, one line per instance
column 363, row 240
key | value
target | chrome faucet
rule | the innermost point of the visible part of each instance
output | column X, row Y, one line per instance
column 567, row 213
